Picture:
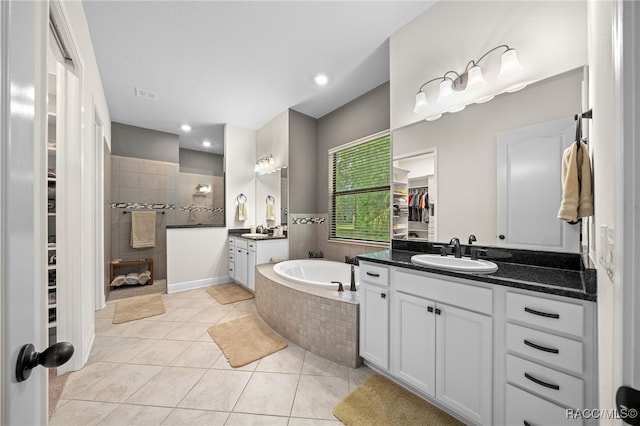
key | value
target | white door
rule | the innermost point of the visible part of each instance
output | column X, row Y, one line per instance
column 415, row 342
column 530, row 189
column 374, row 325
column 23, row 38
column 241, row 266
column 463, row 362
column 251, row 269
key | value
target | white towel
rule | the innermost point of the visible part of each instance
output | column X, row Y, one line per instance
column 242, row 211
column 271, row 212
column 144, row 277
column 118, row 281
column 577, row 189
column 143, row 229
column 132, row 278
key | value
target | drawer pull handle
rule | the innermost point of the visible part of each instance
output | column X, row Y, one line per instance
column 541, row 383
column 383, row 295
column 430, row 309
column 541, row 314
column 372, row 274
column 540, row 348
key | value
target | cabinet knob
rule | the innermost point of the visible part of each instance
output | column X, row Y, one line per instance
column 430, row 309
column 438, row 311
column 501, row 236
column 383, row 295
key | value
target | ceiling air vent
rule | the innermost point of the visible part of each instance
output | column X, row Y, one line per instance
column 142, row 93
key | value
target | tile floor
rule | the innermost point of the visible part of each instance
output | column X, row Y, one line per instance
column 167, row 370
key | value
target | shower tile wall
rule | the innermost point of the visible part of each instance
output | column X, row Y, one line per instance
column 143, row 181
column 312, row 235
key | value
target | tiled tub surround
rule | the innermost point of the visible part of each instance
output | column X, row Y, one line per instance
column 321, row 321
column 563, row 274
column 309, row 232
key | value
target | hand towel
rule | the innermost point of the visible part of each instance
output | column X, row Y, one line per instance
column 144, row 277
column 118, row 281
column 132, row 278
column 577, row 191
column 271, row 212
column 242, row 211
column 143, row 229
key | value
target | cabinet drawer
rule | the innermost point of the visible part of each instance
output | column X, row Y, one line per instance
column 231, row 257
column 550, row 383
column 374, row 274
column 232, row 267
column 465, row 296
column 251, row 246
column 232, row 242
column 559, row 351
column 241, row 243
column 554, row 315
column 523, row 408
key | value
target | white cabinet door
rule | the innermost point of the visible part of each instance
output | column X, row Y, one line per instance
column 463, row 362
column 240, row 262
column 414, row 342
column 251, row 270
column 374, row 325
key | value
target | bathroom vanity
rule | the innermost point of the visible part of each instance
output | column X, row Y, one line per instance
column 247, row 252
column 515, row 347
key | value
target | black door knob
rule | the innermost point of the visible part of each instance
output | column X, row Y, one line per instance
column 502, row 237
column 52, row 357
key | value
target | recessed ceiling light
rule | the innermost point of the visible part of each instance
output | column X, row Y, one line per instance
column 321, row 79
column 206, row 143
column 186, row 127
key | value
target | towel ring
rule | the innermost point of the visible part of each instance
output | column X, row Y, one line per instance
column 270, row 199
column 241, row 198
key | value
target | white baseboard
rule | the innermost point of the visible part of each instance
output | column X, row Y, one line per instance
column 206, row 282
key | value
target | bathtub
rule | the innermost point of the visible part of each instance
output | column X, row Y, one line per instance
column 317, row 273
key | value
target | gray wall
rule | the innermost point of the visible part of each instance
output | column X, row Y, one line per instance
column 361, row 117
column 303, row 165
column 136, row 142
column 199, row 162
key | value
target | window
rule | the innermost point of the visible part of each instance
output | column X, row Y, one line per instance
column 359, row 188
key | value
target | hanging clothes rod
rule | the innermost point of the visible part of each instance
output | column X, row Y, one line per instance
column 578, row 118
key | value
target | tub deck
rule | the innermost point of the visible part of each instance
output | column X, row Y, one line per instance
column 319, row 320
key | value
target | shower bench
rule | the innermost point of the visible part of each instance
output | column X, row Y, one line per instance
column 131, row 262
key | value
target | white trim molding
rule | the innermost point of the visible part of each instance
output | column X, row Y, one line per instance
column 190, row 285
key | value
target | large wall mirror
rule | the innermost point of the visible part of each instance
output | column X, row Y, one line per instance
column 467, row 158
column 272, row 198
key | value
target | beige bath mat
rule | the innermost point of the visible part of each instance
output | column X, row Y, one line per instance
column 379, row 401
column 229, row 293
column 134, row 308
column 246, row 339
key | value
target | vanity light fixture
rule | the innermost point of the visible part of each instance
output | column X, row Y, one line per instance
column 186, row 127
column 471, row 79
column 203, row 189
column 206, row 143
column 265, row 165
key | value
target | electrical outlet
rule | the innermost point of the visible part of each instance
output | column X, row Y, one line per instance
column 609, row 256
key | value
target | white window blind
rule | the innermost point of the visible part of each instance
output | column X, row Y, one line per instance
column 359, row 188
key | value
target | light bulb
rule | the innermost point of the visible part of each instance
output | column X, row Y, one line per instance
column 272, row 161
column 509, row 64
column 445, row 90
column 475, row 78
column 421, row 102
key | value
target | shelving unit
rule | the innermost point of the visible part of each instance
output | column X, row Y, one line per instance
column 52, row 167
column 400, row 216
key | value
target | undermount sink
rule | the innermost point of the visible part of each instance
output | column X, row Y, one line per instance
column 255, row 235
column 451, row 263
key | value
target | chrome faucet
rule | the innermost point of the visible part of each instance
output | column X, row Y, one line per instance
column 455, row 243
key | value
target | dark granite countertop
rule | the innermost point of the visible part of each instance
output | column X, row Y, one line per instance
column 554, row 273
column 239, row 231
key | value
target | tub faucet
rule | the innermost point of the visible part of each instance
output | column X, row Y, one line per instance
column 353, row 279
column 455, row 243
column 340, row 288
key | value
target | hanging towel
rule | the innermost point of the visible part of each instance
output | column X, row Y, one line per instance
column 242, row 211
column 271, row 212
column 143, row 229
column 577, row 189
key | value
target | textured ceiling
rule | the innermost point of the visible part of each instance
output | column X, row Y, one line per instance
column 237, row 62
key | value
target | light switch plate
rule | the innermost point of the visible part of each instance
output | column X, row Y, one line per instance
column 602, row 245
column 609, row 255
